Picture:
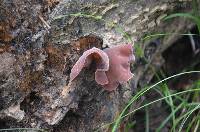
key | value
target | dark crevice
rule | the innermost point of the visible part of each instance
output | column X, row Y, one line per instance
column 179, row 57
column 2, row 124
column 30, row 102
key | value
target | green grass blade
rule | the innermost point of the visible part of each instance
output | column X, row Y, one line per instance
column 142, row 93
column 166, row 34
column 190, row 112
column 197, row 126
column 186, row 91
column 192, row 123
column 19, row 129
column 168, row 118
column 195, row 7
column 80, row 14
column 184, row 115
column 171, row 105
column 147, row 119
column 163, row 98
column 195, row 19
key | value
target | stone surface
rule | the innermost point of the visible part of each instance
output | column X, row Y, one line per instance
column 40, row 41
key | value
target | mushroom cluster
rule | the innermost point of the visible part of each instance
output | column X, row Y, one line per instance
column 112, row 65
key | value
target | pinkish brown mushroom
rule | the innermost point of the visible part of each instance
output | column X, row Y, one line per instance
column 112, row 65
column 102, row 65
column 119, row 61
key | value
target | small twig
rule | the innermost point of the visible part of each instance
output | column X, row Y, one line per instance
column 66, row 90
column 194, row 48
column 45, row 23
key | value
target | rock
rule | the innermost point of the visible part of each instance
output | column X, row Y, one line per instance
column 45, row 38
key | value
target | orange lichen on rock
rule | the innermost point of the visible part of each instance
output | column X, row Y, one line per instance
column 4, row 33
column 87, row 42
column 5, row 48
column 56, row 58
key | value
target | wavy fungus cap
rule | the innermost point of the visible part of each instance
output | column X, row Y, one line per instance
column 102, row 65
column 112, row 65
column 119, row 70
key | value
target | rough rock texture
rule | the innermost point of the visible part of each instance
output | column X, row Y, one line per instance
column 40, row 41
